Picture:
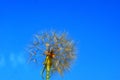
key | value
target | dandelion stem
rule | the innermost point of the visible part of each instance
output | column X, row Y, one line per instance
column 48, row 66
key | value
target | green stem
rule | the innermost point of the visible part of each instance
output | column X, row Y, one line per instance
column 48, row 66
column 47, row 74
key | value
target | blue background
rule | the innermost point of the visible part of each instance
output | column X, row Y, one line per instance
column 94, row 24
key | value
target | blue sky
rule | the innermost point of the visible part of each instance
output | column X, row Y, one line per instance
column 94, row 24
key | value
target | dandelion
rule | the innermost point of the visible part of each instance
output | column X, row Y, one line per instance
column 57, row 50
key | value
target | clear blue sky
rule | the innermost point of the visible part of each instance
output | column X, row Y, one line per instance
column 94, row 24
